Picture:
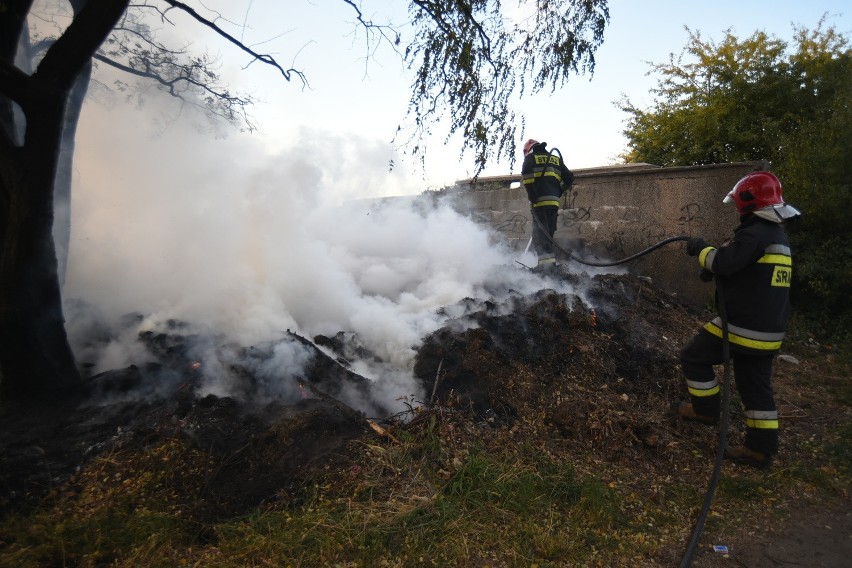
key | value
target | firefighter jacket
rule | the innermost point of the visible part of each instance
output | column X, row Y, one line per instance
column 545, row 176
column 754, row 270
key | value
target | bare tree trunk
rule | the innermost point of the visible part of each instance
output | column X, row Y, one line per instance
column 65, row 171
column 35, row 358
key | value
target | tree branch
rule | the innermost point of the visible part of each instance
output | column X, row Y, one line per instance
column 264, row 58
column 370, row 26
column 228, row 102
column 13, row 82
column 75, row 47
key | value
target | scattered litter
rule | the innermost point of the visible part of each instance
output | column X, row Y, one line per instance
column 788, row 359
column 720, row 548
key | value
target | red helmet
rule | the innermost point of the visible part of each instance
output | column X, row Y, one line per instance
column 528, row 145
column 760, row 193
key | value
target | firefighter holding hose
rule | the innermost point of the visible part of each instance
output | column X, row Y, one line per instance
column 545, row 178
column 753, row 271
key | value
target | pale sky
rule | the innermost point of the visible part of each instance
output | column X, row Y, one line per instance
column 353, row 97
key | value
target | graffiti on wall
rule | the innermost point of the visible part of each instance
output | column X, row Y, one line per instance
column 513, row 226
column 516, row 225
column 619, row 237
column 615, row 245
column 652, row 234
column 690, row 213
column 574, row 214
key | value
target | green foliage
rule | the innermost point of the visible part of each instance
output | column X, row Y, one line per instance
column 760, row 98
column 817, row 177
column 471, row 60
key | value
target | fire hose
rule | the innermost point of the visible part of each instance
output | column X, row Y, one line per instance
column 593, row 263
column 723, row 431
column 726, row 391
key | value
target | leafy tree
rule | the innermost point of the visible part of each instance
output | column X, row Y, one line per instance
column 761, row 98
column 470, row 60
column 817, row 175
column 725, row 103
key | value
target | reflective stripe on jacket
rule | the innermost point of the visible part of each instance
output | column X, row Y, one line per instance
column 545, row 177
column 754, row 270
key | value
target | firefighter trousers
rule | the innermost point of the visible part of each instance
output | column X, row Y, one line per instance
column 752, row 374
column 544, row 227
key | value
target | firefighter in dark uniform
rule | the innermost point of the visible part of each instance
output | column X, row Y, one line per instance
column 545, row 178
column 753, row 272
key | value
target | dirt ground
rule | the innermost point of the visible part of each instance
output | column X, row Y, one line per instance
column 817, row 536
column 592, row 378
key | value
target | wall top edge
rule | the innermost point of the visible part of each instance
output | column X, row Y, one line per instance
column 620, row 169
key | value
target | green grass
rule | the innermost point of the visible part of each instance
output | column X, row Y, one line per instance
column 517, row 512
column 495, row 507
column 45, row 540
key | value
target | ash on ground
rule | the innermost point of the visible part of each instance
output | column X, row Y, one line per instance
column 600, row 371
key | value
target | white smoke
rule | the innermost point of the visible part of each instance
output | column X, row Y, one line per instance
column 244, row 245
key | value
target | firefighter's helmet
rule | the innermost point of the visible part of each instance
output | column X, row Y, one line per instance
column 760, row 193
column 528, row 145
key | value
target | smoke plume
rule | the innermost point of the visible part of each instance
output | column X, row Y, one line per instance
column 175, row 225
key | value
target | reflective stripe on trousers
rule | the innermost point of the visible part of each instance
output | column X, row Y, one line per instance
column 761, row 341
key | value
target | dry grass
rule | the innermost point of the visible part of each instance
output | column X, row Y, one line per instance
column 448, row 492
column 591, row 472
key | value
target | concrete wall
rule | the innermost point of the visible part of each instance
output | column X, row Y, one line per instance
column 614, row 212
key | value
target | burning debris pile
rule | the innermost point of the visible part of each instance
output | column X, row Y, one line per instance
column 598, row 371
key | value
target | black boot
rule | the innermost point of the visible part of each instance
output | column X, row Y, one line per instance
column 685, row 411
column 745, row 456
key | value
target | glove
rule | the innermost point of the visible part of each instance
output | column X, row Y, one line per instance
column 706, row 275
column 695, row 245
